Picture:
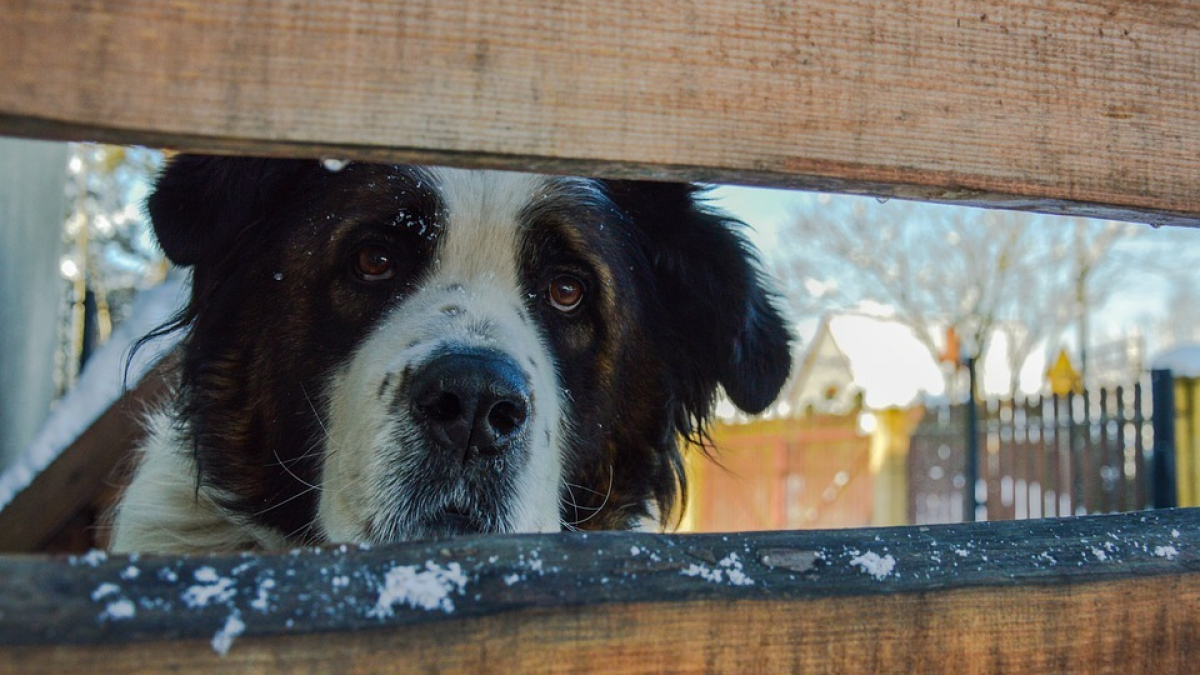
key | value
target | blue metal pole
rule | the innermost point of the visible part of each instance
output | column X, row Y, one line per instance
column 970, row 498
column 1162, row 475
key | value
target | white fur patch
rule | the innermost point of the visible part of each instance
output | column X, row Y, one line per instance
column 162, row 510
column 471, row 298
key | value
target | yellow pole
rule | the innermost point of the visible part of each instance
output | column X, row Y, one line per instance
column 1187, row 440
column 889, row 467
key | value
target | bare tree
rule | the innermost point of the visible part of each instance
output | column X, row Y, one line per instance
column 983, row 272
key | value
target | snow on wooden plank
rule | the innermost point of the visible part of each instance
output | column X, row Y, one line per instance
column 1116, row 594
column 1087, row 107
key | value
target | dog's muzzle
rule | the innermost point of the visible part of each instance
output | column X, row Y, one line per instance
column 473, row 405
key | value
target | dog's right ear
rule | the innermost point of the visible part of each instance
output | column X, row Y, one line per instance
column 201, row 203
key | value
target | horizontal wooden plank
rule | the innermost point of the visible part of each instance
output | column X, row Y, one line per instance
column 1089, row 107
column 1110, row 594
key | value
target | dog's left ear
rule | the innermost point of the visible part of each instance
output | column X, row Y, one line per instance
column 726, row 327
column 200, row 204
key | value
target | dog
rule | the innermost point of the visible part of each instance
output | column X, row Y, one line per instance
column 378, row 353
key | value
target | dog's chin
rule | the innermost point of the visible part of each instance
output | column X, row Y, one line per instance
column 437, row 523
column 451, row 522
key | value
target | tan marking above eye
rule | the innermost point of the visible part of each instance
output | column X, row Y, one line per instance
column 374, row 263
column 565, row 293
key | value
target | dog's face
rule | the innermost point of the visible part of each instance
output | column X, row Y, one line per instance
column 379, row 353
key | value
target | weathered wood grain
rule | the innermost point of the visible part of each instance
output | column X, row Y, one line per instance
column 1089, row 107
column 1112, row 594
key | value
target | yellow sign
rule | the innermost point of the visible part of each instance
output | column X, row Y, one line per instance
column 1063, row 377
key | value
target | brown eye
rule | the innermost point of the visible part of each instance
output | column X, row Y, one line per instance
column 374, row 263
column 566, row 292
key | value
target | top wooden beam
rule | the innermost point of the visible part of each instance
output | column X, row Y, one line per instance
column 1089, row 107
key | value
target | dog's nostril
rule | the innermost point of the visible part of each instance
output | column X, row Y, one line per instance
column 506, row 418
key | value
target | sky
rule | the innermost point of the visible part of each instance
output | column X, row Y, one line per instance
column 1142, row 303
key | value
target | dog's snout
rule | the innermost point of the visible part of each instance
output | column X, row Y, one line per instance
column 473, row 403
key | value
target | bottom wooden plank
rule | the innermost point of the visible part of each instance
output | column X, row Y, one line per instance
column 1122, row 627
column 1109, row 594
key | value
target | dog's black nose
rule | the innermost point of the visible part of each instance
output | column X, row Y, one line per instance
column 471, row 403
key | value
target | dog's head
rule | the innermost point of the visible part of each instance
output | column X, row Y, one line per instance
column 378, row 353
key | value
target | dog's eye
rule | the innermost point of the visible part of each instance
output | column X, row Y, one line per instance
column 374, row 263
column 565, row 293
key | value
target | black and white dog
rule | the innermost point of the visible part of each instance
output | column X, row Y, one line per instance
column 379, row 353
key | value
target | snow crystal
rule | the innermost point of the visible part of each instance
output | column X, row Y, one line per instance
column 874, row 565
column 104, row 590
column 961, row 552
column 340, row 581
column 694, row 570
column 206, row 574
column 729, row 568
column 223, row 640
column 1099, row 553
column 92, row 558
column 262, row 601
column 428, row 589
column 738, row 578
column 334, row 165
column 634, row 550
column 119, row 610
column 130, row 573
column 1168, row 552
column 511, row 579
column 212, row 589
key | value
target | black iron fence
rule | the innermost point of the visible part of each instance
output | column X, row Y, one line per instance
column 1042, row 457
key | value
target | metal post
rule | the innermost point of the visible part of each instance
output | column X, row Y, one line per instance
column 970, row 499
column 1162, row 476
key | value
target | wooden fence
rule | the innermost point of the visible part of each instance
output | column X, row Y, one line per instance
column 805, row 472
column 1086, row 108
column 1039, row 457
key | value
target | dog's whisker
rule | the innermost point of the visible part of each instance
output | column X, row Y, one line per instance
column 305, row 529
column 603, row 504
column 572, row 503
column 317, row 415
column 584, row 488
column 311, row 488
column 291, row 473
